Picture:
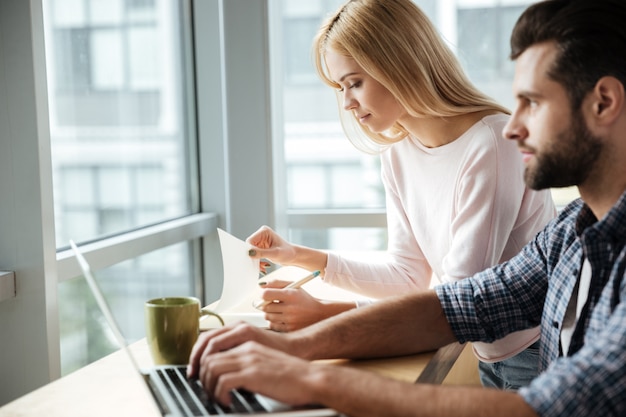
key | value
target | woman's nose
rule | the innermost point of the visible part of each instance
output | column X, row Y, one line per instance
column 348, row 101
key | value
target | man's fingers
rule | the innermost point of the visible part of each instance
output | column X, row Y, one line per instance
column 199, row 347
column 212, row 370
column 217, row 340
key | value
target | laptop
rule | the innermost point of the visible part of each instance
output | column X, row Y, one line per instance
column 177, row 396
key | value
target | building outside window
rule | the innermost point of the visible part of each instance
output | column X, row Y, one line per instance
column 121, row 152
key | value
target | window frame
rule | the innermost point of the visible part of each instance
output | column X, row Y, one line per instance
column 231, row 57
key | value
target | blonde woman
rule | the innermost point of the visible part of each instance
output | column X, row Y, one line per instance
column 455, row 195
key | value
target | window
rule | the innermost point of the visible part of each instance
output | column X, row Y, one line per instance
column 85, row 336
column 323, row 170
column 121, row 152
column 118, row 122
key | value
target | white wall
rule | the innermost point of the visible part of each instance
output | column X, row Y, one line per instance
column 28, row 323
column 232, row 73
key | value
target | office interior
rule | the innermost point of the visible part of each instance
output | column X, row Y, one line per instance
column 139, row 127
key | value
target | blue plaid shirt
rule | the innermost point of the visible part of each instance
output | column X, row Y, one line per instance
column 535, row 287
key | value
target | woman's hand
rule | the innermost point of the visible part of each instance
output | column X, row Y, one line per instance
column 268, row 244
column 292, row 309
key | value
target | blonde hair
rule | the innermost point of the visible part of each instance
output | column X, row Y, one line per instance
column 395, row 43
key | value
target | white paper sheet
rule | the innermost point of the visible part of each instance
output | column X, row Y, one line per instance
column 241, row 273
column 240, row 286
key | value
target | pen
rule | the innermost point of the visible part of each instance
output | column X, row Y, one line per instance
column 295, row 284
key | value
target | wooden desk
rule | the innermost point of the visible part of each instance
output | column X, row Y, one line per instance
column 111, row 387
column 107, row 387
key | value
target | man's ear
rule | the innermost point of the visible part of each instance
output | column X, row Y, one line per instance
column 607, row 100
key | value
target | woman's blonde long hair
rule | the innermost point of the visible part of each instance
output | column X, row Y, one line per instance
column 396, row 44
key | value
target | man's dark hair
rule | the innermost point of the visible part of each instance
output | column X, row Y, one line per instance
column 590, row 36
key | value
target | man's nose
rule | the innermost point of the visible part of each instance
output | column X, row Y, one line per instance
column 515, row 129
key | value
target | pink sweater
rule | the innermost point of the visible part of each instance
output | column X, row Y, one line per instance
column 452, row 211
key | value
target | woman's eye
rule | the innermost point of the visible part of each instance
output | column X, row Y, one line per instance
column 349, row 86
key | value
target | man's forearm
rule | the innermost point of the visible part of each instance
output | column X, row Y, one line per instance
column 392, row 326
column 358, row 393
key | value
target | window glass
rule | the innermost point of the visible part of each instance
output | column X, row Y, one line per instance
column 144, row 59
column 120, row 138
column 311, row 196
column 298, row 64
column 106, row 11
column 345, row 239
column 118, row 123
column 85, row 334
column 106, row 60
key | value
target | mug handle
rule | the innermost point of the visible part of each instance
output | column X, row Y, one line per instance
column 205, row 312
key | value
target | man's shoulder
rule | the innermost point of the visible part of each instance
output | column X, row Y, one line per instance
column 563, row 226
column 570, row 211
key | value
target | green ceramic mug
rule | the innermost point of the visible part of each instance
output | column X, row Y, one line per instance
column 172, row 328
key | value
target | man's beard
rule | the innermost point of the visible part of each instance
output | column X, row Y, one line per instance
column 567, row 161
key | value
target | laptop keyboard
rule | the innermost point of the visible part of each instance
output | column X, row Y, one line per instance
column 194, row 401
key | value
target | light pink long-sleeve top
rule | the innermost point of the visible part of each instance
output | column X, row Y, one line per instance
column 453, row 211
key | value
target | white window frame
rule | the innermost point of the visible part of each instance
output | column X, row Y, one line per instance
column 234, row 156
